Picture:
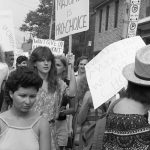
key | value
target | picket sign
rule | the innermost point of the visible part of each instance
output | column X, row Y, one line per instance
column 71, row 17
column 57, row 47
column 104, row 71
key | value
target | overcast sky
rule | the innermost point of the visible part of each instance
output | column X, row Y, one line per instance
column 19, row 8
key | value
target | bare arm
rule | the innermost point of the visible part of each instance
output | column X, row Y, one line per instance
column 45, row 139
column 71, row 109
column 84, row 108
column 72, row 84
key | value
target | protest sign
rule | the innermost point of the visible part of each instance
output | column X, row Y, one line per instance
column 104, row 71
column 71, row 16
column 56, row 47
column 7, row 36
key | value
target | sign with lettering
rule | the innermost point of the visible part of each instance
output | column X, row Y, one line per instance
column 7, row 36
column 56, row 47
column 133, row 18
column 104, row 71
column 72, row 16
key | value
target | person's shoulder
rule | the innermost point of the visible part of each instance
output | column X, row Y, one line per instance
column 4, row 114
column 43, row 123
column 125, row 106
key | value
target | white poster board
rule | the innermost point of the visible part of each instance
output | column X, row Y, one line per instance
column 104, row 71
column 56, row 47
column 7, row 36
column 71, row 17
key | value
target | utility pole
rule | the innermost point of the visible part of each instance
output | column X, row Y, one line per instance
column 126, row 19
column 51, row 20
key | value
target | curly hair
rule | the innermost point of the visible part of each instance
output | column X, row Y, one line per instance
column 23, row 77
column 37, row 55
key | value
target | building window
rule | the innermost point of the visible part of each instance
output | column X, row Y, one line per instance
column 107, row 17
column 116, row 13
column 100, row 20
column 148, row 8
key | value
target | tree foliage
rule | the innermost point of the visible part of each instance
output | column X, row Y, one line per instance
column 37, row 22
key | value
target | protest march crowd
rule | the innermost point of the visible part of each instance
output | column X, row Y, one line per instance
column 47, row 104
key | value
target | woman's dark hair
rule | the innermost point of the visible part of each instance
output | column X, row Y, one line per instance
column 21, row 58
column 138, row 93
column 23, row 77
column 37, row 55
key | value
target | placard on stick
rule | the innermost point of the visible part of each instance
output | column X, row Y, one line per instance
column 71, row 17
column 56, row 47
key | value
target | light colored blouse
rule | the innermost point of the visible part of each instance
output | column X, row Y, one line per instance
column 19, row 138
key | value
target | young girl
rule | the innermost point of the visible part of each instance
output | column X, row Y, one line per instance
column 50, row 94
column 61, row 123
column 20, row 127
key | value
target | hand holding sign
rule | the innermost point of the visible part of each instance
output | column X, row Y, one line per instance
column 70, row 60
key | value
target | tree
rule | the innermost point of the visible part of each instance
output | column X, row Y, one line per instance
column 38, row 21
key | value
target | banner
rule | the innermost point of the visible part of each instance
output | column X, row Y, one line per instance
column 71, row 16
column 56, row 47
column 7, row 36
column 104, row 71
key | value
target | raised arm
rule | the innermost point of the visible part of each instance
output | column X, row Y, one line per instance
column 72, row 84
column 86, row 105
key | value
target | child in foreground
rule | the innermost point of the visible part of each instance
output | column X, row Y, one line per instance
column 20, row 127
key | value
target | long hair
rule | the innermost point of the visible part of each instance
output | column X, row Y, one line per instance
column 44, row 52
column 63, row 60
column 138, row 93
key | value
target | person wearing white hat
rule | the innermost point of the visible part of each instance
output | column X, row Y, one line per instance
column 127, row 126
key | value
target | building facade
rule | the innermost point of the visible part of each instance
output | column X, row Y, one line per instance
column 144, row 21
column 112, row 21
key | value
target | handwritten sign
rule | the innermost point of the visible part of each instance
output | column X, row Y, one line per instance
column 72, row 16
column 56, row 47
column 7, row 36
column 104, row 71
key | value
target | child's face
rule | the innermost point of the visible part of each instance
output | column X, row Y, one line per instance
column 22, row 64
column 24, row 98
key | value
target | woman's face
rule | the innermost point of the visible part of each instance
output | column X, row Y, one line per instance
column 43, row 66
column 82, row 66
column 23, row 98
column 59, row 66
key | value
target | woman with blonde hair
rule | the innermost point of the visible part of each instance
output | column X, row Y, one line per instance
column 67, row 98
